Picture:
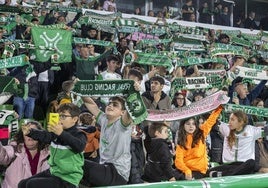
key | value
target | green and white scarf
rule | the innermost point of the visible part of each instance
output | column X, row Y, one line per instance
column 251, row 73
column 190, row 83
column 263, row 112
column 108, row 88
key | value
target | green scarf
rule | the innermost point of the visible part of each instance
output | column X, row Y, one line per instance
column 134, row 103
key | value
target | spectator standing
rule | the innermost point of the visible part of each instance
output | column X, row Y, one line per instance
column 225, row 17
column 250, row 21
column 187, row 10
column 264, row 23
column 110, row 3
column 204, row 13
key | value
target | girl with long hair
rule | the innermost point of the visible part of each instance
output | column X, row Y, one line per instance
column 191, row 153
column 238, row 153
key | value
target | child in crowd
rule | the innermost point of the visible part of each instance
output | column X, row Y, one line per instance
column 238, row 147
column 191, row 152
column 159, row 163
column 115, row 138
column 87, row 124
column 24, row 157
column 66, row 157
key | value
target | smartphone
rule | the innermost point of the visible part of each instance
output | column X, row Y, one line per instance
column 53, row 118
column 234, row 94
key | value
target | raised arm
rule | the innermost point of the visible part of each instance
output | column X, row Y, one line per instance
column 91, row 106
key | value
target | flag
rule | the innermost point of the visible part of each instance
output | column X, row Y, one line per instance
column 52, row 43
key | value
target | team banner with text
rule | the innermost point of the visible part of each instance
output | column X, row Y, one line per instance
column 251, row 73
column 200, row 107
column 104, row 88
column 195, row 83
column 252, row 110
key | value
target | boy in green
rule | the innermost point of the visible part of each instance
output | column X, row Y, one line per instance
column 66, row 151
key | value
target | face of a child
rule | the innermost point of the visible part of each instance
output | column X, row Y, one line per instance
column 30, row 143
column 190, row 126
column 114, row 108
column 67, row 120
column 163, row 133
column 234, row 123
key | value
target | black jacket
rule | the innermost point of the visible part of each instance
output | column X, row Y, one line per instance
column 159, row 163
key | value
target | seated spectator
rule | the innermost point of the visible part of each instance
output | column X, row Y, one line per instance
column 87, row 124
column 159, row 163
column 238, row 147
column 191, row 152
column 24, row 157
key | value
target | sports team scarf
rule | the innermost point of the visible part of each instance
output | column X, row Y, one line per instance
column 101, row 88
column 190, row 83
column 211, row 72
column 251, row 73
column 187, row 61
column 197, row 108
column 16, row 61
column 252, row 110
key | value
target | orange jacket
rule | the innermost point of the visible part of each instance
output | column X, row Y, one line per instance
column 92, row 141
column 195, row 159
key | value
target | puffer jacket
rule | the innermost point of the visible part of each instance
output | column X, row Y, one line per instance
column 19, row 168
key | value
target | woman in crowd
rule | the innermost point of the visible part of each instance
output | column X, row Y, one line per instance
column 24, row 157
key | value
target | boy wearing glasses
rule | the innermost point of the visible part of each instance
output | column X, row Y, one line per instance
column 115, row 138
column 159, row 163
column 66, row 151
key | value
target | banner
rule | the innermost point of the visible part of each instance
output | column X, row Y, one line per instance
column 196, row 83
column 252, row 110
column 16, row 61
column 8, row 123
column 57, row 39
column 251, row 73
column 200, row 107
column 134, row 102
column 78, row 40
column 197, row 60
column 154, row 59
column 210, row 72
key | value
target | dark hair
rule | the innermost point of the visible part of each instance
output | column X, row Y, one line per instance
column 182, row 134
column 112, row 58
column 136, row 73
column 86, row 118
column 241, row 117
column 155, row 126
column 174, row 100
column 69, row 107
column 19, row 139
column 158, row 79
column 119, row 99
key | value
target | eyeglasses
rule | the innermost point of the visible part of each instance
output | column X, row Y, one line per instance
column 63, row 116
column 178, row 98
